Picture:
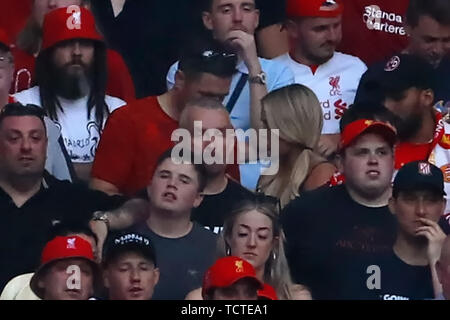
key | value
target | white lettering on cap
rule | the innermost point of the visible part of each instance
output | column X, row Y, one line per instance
column 74, row 20
column 392, row 64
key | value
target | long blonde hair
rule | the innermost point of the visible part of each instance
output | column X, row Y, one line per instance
column 296, row 112
column 276, row 269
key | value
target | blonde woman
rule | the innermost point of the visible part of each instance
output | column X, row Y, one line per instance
column 252, row 232
column 295, row 111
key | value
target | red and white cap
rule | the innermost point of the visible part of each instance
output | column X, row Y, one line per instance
column 73, row 22
column 226, row 271
column 314, row 8
column 61, row 248
column 356, row 128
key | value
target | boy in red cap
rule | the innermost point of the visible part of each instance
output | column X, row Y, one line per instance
column 330, row 250
column 71, row 81
column 231, row 278
column 314, row 31
column 68, row 270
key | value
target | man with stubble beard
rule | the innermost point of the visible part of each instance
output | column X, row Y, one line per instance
column 71, row 82
column 314, row 30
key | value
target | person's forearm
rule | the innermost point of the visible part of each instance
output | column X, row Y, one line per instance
column 437, row 287
column 257, row 92
column 131, row 212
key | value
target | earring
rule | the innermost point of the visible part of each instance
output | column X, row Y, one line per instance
column 228, row 251
column 274, row 255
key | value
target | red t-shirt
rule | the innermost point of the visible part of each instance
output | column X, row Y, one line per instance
column 119, row 83
column 133, row 139
column 373, row 29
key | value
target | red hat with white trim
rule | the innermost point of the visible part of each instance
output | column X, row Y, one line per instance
column 63, row 24
column 356, row 128
column 314, row 8
column 60, row 248
column 226, row 271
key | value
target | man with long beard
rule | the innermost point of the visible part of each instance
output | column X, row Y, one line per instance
column 71, row 78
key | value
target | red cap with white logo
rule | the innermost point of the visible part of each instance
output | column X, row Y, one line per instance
column 73, row 22
column 62, row 248
column 314, row 8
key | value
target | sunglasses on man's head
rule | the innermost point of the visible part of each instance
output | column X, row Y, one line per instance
column 210, row 54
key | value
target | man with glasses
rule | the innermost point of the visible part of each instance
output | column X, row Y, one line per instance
column 136, row 135
column 6, row 69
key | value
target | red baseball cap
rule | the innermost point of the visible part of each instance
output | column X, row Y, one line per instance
column 354, row 129
column 73, row 22
column 314, row 8
column 267, row 292
column 4, row 39
column 227, row 271
column 61, row 248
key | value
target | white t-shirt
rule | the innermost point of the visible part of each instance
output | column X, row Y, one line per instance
column 278, row 76
column 80, row 133
column 335, row 83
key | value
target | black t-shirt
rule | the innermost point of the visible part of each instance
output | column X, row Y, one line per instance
column 332, row 241
column 214, row 208
column 182, row 262
column 25, row 230
column 149, row 35
column 401, row 281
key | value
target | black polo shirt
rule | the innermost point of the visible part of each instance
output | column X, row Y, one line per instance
column 25, row 230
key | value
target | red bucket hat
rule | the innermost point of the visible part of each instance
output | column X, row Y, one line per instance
column 227, row 271
column 61, row 248
column 314, row 8
column 354, row 129
column 68, row 23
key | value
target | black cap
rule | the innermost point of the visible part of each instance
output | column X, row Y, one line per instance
column 394, row 76
column 128, row 242
column 419, row 175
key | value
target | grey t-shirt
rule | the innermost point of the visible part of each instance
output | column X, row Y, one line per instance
column 182, row 261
